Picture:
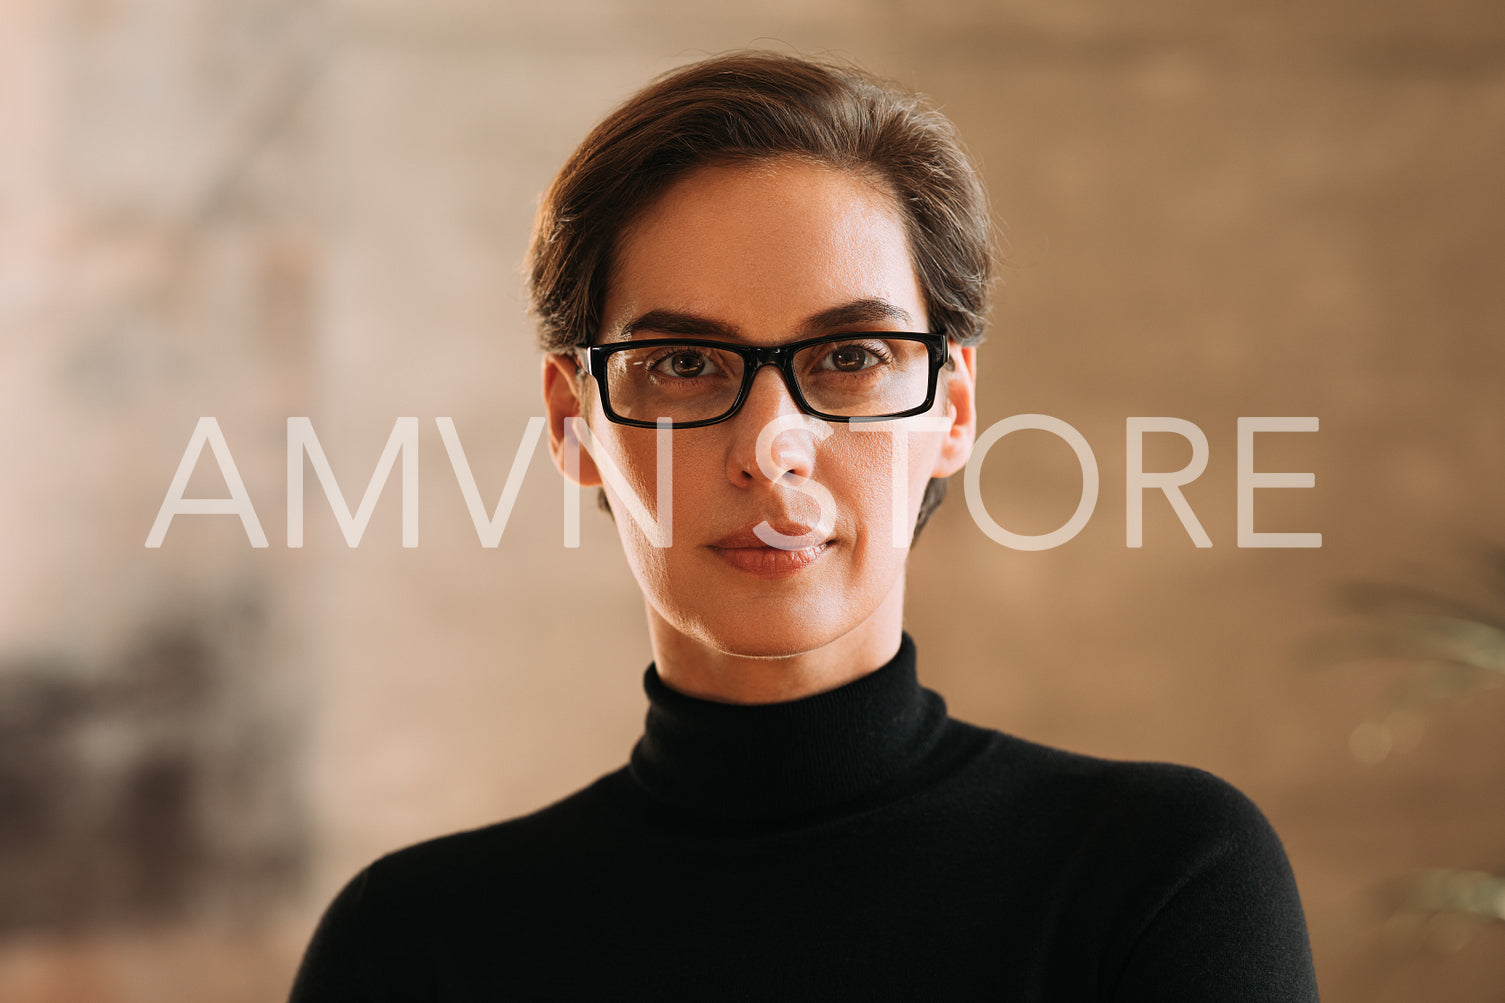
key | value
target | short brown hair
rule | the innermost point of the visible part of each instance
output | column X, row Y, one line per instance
column 750, row 106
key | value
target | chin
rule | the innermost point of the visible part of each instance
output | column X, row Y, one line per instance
column 770, row 635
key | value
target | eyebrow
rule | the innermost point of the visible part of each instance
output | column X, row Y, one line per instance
column 863, row 311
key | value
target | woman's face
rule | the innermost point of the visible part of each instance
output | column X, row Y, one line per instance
column 764, row 254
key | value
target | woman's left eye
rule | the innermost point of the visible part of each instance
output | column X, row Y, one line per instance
column 850, row 359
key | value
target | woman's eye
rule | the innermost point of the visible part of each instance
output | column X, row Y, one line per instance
column 687, row 364
column 850, row 359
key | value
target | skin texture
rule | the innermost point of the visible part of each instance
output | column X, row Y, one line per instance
column 765, row 254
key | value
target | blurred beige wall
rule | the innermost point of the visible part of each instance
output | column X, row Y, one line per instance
column 257, row 209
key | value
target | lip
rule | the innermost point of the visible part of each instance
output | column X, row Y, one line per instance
column 744, row 551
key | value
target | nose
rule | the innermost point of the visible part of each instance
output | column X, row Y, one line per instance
column 791, row 452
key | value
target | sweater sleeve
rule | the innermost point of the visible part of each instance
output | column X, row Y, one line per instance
column 1223, row 921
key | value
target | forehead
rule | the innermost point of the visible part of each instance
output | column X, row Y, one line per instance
column 762, row 248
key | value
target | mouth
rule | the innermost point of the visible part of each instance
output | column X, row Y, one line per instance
column 744, row 551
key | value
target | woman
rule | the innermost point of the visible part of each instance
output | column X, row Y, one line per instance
column 788, row 261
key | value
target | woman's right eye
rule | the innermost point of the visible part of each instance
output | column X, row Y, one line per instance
column 685, row 364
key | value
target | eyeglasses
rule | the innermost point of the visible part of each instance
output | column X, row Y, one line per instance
column 864, row 376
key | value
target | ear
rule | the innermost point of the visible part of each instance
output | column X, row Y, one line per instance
column 561, row 398
column 959, row 391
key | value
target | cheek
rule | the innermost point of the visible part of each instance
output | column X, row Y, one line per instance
column 868, row 461
column 693, row 471
column 634, row 453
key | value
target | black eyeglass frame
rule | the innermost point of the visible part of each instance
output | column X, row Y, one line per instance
column 755, row 357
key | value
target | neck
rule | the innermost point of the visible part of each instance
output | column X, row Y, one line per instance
column 696, row 667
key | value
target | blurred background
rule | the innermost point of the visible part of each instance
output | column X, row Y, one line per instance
column 258, row 209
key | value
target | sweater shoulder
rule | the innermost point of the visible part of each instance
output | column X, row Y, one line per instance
column 1123, row 821
column 518, row 839
column 513, row 853
column 1178, row 864
column 1148, row 793
column 383, row 935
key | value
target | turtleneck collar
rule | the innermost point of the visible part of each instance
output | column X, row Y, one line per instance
column 792, row 759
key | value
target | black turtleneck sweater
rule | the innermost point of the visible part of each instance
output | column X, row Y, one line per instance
column 853, row 845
